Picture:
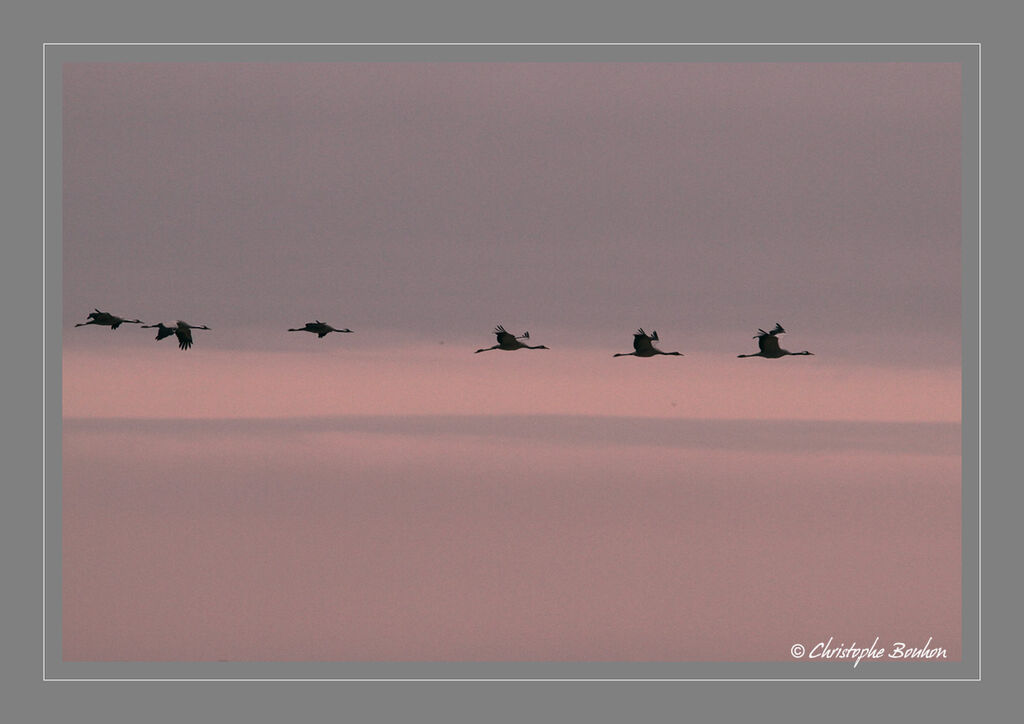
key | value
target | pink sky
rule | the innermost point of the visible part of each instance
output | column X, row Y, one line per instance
column 273, row 543
column 389, row 495
column 339, row 376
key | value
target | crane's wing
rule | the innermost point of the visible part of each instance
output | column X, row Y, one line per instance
column 184, row 335
column 768, row 343
column 503, row 336
column 641, row 341
column 317, row 327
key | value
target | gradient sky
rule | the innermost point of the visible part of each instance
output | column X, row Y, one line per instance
column 421, row 205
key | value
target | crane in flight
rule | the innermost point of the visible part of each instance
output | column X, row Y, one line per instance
column 182, row 330
column 107, row 319
column 509, row 342
column 768, row 342
column 643, row 346
column 320, row 329
column 163, row 329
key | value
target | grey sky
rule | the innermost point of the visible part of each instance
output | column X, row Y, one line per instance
column 565, row 198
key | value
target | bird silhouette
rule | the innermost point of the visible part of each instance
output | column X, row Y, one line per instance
column 107, row 319
column 509, row 342
column 643, row 347
column 164, row 330
column 320, row 329
column 183, row 331
column 768, row 342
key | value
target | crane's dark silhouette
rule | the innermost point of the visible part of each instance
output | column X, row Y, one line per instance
column 164, row 330
column 183, row 331
column 509, row 342
column 320, row 329
column 106, row 319
column 768, row 342
column 643, row 347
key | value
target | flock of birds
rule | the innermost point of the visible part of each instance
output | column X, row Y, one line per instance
column 643, row 343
